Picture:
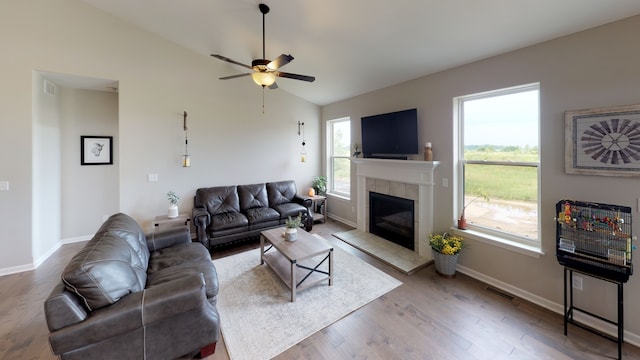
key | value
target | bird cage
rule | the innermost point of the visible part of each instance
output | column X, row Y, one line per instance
column 595, row 239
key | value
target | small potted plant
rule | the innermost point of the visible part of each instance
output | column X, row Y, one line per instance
column 446, row 249
column 173, row 204
column 462, row 221
column 320, row 184
column 292, row 224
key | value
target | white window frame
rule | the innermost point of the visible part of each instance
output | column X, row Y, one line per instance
column 331, row 157
column 510, row 241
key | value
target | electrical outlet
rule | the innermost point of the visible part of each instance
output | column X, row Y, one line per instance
column 445, row 182
column 577, row 283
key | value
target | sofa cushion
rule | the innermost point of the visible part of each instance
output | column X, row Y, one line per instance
column 227, row 221
column 260, row 215
column 111, row 265
column 281, row 192
column 218, row 200
column 103, row 272
column 290, row 209
column 253, row 196
column 181, row 260
column 125, row 227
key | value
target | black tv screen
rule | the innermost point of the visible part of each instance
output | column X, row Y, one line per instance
column 392, row 135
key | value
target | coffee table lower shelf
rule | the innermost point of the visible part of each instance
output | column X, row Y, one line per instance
column 299, row 276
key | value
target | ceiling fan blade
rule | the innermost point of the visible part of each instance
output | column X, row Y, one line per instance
column 280, row 61
column 224, row 58
column 296, row 76
column 273, row 86
column 233, row 76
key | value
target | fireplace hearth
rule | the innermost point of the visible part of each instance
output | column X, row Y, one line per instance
column 392, row 218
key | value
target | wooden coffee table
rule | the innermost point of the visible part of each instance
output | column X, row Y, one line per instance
column 298, row 263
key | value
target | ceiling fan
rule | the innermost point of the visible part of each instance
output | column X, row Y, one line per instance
column 264, row 71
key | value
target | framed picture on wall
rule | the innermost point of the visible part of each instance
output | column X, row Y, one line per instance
column 96, row 150
column 603, row 141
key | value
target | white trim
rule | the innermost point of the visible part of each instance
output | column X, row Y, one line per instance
column 39, row 261
column 402, row 171
column 16, row 269
column 342, row 220
column 77, row 239
column 488, row 236
column 530, row 250
column 629, row 337
column 44, row 257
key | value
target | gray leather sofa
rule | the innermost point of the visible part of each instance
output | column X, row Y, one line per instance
column 130, row 296
column 224, row 214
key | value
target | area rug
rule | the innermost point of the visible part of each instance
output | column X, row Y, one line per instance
column 259, row 322
column 393, row 254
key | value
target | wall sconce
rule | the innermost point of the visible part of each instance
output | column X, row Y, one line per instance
column 303, row 153
column 186, row 158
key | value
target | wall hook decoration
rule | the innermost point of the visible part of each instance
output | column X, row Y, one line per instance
column 186, row 158
column 303, row 153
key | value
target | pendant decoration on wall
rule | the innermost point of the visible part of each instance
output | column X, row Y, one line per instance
column 303, row 153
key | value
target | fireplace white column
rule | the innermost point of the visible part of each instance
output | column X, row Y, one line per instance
column 401, row 171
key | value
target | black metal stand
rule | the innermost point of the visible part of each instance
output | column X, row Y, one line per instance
column 568, row 311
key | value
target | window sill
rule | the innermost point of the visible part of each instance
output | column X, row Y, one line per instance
column 514, row 246
column 341, row 197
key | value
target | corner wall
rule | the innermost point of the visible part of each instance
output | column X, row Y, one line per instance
column 230, row 139
column 593, row 68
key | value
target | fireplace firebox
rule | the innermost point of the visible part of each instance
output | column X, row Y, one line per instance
column 392, row 218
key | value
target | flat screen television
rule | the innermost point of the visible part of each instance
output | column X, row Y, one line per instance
column 392, row 135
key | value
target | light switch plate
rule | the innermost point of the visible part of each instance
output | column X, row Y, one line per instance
column 4, row 186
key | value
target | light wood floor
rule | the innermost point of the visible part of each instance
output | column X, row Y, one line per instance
column 427, row 317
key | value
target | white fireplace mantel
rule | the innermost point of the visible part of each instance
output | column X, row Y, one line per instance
column 402, row 171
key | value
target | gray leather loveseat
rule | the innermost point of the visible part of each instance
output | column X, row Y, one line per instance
column 130, row 296
column 224, row 214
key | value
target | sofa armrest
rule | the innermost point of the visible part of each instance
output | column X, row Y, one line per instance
column 307, row 219
column 201, row 220
column 304, row 201
column 62, row 308
column 166, row 238
column 133, row 312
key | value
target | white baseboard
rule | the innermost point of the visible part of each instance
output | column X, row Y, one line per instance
column 587, row 320
column 16, row 269
column 77, row 239
column 43, row 258
column 344, row 221
column 37, row 262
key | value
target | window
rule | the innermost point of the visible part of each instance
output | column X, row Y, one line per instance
column 339, row 165
column 498, row 168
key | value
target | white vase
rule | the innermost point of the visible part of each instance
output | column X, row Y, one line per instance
column 173, row 211
column 291, row 234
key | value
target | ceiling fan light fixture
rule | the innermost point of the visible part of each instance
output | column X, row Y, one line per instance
column 263, row 78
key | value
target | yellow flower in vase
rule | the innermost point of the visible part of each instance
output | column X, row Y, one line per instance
column 446, row 244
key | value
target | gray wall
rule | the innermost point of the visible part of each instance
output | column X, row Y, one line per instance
column 231, row 140
column 594, row 68
column 87, row 191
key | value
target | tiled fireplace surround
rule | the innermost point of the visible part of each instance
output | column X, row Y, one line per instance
column 407, row 179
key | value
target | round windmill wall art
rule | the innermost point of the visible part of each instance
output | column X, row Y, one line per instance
column 603, row 141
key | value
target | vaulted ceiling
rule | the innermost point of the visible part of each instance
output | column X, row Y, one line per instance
column 356, row 46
